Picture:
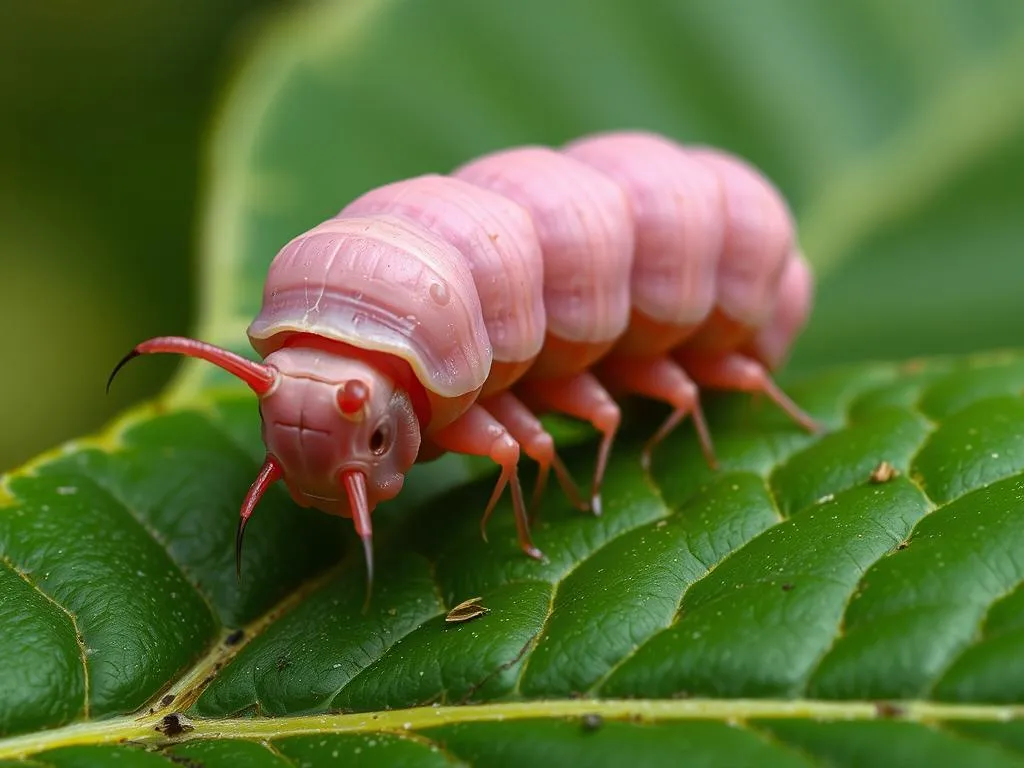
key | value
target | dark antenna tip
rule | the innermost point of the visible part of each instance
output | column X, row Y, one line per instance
column 238, row 548
column 124, row 360
column 368, row 552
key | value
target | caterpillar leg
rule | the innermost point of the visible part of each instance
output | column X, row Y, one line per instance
column 581, row 397
column 478, row 433
column 743, row 374
column 536, row 443
column 660, row 378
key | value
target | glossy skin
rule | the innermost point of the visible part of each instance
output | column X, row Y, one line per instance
column 454, row 309
column 497, row 238
column 306, row 428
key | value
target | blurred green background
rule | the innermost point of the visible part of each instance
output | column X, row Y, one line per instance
column 895, row 127
column 105, row 107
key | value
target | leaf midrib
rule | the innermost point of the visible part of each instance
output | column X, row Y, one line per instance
column 141, row 730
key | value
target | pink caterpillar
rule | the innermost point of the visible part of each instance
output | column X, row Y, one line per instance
column 442, row 313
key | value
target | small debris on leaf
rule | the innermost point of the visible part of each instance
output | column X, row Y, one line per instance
column 883, row 473
column 786, row 587
column 235, row 637
column 888, row 709
column 188, row 762
column 466, row 610
column 167, row 700
column 174, row 725
column 591, row 722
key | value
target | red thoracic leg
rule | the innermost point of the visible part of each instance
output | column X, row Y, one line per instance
column 477, row 433
column 526, row 428
column 581, row 397
column 743, row 374
column 660, row 378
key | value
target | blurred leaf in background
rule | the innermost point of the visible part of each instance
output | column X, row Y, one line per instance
column 104, row 108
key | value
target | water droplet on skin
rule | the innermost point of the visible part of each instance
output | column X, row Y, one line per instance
column 439, row 293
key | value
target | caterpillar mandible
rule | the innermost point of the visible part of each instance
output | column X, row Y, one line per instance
column 445, row 312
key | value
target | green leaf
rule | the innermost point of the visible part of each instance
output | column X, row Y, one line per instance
column 753, row 614
column 782, row 610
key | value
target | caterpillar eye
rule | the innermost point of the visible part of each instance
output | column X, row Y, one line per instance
column 380, row 440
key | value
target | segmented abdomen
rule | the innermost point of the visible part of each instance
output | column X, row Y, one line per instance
column 533, row 262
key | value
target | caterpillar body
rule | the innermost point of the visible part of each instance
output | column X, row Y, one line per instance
column 443, row 313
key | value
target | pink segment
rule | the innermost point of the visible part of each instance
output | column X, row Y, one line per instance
column 758, row 239
column 678, row 213
column 497, row 238
column 773, row 342
column 586, row 234
column 383, row 283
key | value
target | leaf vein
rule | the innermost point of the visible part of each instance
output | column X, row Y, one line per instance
column 271, row 747
column 191, row 685
column 664, row 511
column 977, row 637
column 772, row 739
column 79, row 641
column 812, row 670
column 158, row 539
column 436, row 746
column 970, row 738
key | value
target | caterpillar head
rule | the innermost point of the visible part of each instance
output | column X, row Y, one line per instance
column 340, row 433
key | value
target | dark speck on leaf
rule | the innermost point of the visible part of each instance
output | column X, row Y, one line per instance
column 174, row 724
column 902, row 545
column 888, row 710
column 591, row 722
column 167, row 700
column 188, row 762
column 235, row 637
column 283, row 662
column 786, row 587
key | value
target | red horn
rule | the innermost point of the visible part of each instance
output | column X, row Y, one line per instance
column 355, row 485
column 258, row 376
column 269, row 474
